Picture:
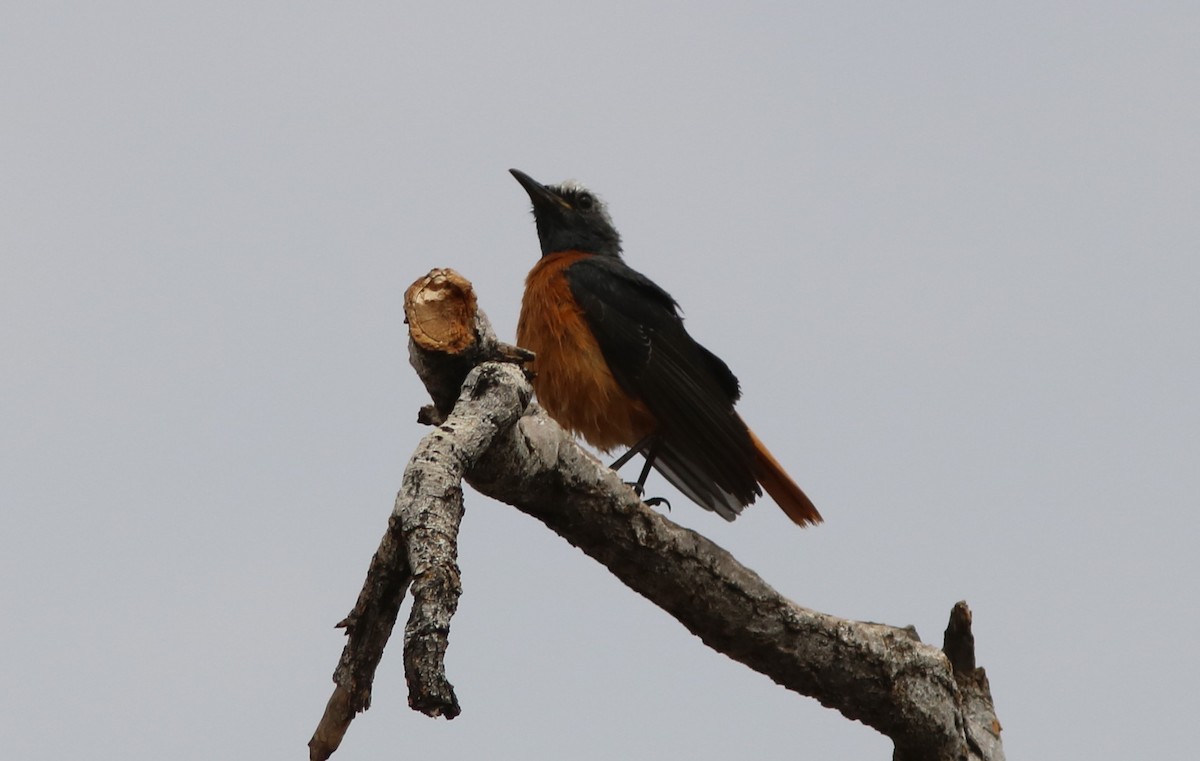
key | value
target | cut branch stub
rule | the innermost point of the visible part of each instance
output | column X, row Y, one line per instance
column 440, row 311
column 448, row 336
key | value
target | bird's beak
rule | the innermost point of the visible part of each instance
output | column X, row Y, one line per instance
column 543, row 198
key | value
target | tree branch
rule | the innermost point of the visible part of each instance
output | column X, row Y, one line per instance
column 932, row 706
column 420, row 546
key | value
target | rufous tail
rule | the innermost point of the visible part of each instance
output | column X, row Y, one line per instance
column 781, row 487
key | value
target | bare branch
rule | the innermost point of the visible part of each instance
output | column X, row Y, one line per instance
column 934, row 705
column 420, row 546
column 880, row 675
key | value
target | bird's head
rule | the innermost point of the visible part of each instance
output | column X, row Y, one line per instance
column 570, row 218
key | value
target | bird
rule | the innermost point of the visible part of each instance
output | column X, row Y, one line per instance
column 614, row 364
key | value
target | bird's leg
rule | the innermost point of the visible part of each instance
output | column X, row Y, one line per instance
column 636, row 448
column 649, row 446
column 639, row 487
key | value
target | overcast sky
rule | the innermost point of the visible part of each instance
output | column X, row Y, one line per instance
column 949, row 248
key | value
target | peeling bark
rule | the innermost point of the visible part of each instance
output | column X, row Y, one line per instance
column 933, row 703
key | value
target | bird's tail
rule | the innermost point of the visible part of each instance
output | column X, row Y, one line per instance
column 781, row 487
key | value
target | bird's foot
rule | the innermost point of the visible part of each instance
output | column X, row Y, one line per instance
column 652, row 501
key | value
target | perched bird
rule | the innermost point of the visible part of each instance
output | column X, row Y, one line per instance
column 615, row 364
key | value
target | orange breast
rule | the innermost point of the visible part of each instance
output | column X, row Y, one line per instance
column 573, row 382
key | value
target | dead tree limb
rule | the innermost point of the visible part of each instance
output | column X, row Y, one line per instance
column 473, row 401
column 933, row 703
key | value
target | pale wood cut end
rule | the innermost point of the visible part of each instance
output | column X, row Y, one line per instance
column 440, row 311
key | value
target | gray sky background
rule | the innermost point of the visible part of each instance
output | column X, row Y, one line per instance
column 949, row 248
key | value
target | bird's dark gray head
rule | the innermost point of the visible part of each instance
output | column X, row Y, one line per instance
column 570, row 218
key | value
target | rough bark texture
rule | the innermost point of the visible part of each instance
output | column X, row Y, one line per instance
column 934, row 704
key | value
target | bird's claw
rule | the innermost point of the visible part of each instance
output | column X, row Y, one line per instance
column 656, row 501
column 651, row 502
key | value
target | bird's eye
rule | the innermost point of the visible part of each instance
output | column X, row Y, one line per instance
column 585, row 202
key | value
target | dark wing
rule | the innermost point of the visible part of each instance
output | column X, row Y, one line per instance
column 703, row 446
